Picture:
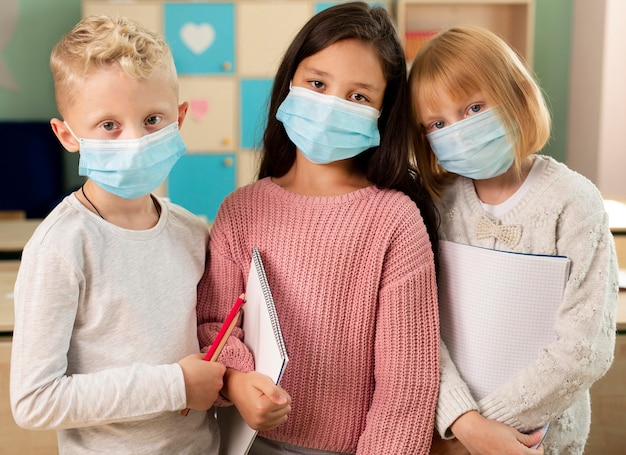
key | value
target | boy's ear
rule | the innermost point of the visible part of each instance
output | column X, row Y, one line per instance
column 62, row 133
column 182, row 113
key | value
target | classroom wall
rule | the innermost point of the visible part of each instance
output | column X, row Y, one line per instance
column 597, row 95
column 553, row 31
column 26, row 85
column 28, row 30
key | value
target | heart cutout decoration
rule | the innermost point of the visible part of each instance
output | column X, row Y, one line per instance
column 198, row 108
column 197, row 37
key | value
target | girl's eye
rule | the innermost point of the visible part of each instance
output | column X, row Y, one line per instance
column 359, row 97
column 108, row 126
column 475, row 108
column 153, row 120
column 317, row 84
column 434, row 126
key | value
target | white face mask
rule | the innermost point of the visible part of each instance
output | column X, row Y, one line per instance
column 476, row 147
column 327, row 128
column 131, row 168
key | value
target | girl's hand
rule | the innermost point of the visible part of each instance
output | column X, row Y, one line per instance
column 482, row 436
column 261, row 403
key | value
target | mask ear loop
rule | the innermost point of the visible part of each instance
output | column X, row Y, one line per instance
column 71, row 132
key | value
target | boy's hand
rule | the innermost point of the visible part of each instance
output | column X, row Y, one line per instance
column 262, row 404
column 203, row 381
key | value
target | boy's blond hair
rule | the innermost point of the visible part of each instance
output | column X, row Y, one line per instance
column 98, row 42
column 462, row 61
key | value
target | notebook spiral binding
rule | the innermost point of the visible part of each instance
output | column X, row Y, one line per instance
column 258, row 264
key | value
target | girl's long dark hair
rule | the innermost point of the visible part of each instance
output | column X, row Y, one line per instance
column 388, row 165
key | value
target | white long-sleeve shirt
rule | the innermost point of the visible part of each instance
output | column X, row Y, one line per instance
column 102, row 316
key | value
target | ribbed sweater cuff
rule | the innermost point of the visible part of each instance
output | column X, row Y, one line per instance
column 450, row 407
column 494, row 409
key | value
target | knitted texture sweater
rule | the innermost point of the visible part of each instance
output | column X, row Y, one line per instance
column 353, row 281
column 561, row 214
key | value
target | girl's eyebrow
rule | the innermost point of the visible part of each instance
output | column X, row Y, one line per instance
column 429, row 118
column 311, row 69
column 369, row 87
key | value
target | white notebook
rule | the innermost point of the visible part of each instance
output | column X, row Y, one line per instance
column 264, row 338
column 497, row 310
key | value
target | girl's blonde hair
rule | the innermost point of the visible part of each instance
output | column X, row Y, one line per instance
column 464, row 60
column 100, row 41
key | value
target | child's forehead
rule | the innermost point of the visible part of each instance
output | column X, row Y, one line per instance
column 118, row 77
column 433, row 95
column 452, row 83
column 134, row 70
column 110, row 89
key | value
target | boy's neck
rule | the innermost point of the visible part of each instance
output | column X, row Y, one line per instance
column 135, row 214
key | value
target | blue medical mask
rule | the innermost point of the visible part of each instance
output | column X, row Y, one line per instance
column 476, row 147
column 131, row 168
column 327, row 128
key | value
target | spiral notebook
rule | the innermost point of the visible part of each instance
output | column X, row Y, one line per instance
column 497, row 310
column 264, row 338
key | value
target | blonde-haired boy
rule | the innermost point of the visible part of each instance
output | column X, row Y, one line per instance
column 105, row 348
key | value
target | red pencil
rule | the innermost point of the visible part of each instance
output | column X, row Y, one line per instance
column 230, row 322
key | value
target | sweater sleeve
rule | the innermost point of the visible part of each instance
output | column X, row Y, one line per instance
column 400, row 419
column 43, row 396
column 223, row 281
column 585, row 329
column 455, row 398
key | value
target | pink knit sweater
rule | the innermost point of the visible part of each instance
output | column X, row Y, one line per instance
column 354, row 285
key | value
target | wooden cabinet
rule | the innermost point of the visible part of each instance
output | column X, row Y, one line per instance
column 201, row 36
column 200, row 181
column 13, row 439
column 211, row 122
column 608, row 405
column 513, row 20
column 148, row 12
